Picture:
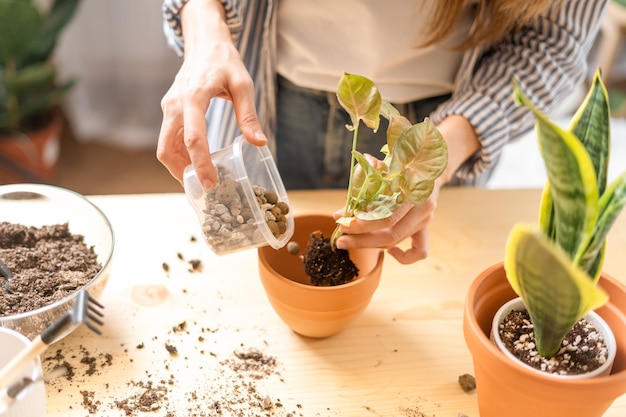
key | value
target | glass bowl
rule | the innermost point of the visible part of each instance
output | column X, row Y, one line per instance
column 40, row 205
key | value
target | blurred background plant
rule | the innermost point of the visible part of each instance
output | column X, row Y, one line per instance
column 29, row 90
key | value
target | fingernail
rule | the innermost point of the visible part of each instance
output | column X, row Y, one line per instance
column 207, row 184
column 260, row 136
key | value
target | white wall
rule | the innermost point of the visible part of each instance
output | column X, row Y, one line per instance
column 117, row 50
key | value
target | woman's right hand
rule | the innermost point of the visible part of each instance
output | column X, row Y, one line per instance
column 212, row 67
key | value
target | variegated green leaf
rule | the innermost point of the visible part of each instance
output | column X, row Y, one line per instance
column 572, row 181
column 397, row 126
column 611, row 204
column 361, row 99
column 387, row 110
column 591, row 124
column 546, row 212
column 556, row 293
column 381, row 207
column 368, row 181
column 418, row 158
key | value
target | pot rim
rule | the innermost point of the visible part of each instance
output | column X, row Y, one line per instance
column 357, row 281
column 598, row 322
column 477, row 339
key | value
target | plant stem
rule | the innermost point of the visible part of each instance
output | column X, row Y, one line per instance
column 355, row 134
column 347, row 210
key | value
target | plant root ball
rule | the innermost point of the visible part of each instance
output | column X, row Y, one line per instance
column 325, row 265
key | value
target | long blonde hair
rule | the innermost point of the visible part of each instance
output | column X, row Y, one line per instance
column 494, row 19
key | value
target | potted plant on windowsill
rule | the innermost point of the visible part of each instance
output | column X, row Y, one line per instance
column 319, row 293
column 30, row 118
column 556, row 270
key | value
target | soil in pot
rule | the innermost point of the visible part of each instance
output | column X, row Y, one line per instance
column 583, row 349
column 325, row 265
column 47, row 264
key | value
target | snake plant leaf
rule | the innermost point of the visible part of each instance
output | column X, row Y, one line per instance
column 591, row 124
column 359, row 97
column 611, row 204
column 20, row 23
column 419, row 156
column 555, row 292
column 572, row 181
column 546, row 212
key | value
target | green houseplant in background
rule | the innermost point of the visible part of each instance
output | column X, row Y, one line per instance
column 30, row 93
column 555, row 268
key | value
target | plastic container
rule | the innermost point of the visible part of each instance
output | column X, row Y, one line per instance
column 248, row 208
column 30, row 401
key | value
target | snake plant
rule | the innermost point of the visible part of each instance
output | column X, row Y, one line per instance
column 554, row 266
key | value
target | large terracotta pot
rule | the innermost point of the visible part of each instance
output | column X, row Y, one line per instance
column 507, row 388
column 31, row 157
column 310, row 310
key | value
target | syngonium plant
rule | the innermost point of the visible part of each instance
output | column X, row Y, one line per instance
column 555, row 266
column 415, row 155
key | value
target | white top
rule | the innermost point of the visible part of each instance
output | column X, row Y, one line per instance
column 319, row 39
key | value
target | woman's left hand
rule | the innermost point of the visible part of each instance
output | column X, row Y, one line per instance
column 407, row 221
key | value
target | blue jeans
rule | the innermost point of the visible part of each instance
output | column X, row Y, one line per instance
column 313, row 146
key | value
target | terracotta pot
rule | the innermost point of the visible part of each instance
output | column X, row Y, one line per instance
column 31, row 157
column 508, row 388
column 310, row 310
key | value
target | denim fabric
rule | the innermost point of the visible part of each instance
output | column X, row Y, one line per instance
column 312, row 143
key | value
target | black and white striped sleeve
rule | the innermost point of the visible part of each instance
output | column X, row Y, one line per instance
column 548, row 58
column 172, row 27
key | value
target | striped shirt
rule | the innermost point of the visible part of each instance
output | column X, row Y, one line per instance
column 548, row 57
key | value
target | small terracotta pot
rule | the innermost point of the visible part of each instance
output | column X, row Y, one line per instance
column 31, row 157
column 592, row 317
column 309, row 310
column 508, row 388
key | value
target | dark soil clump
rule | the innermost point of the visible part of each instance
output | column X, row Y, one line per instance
column 467, row 382
column 325, row 265
column 47, row 264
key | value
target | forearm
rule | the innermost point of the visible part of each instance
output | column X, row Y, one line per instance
column 203, row 22
column 231, row 13
column 547, row 58
column 461, row 140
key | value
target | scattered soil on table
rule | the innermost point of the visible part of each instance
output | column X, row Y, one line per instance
column 233, row 393
column 583, row 348
column 48, row 264
column 325, row 265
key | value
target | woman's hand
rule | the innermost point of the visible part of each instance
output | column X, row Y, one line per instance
column 212, row 67
column 407, row 221
column 413, row 220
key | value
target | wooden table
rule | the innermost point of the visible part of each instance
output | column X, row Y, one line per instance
column 403, row 356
